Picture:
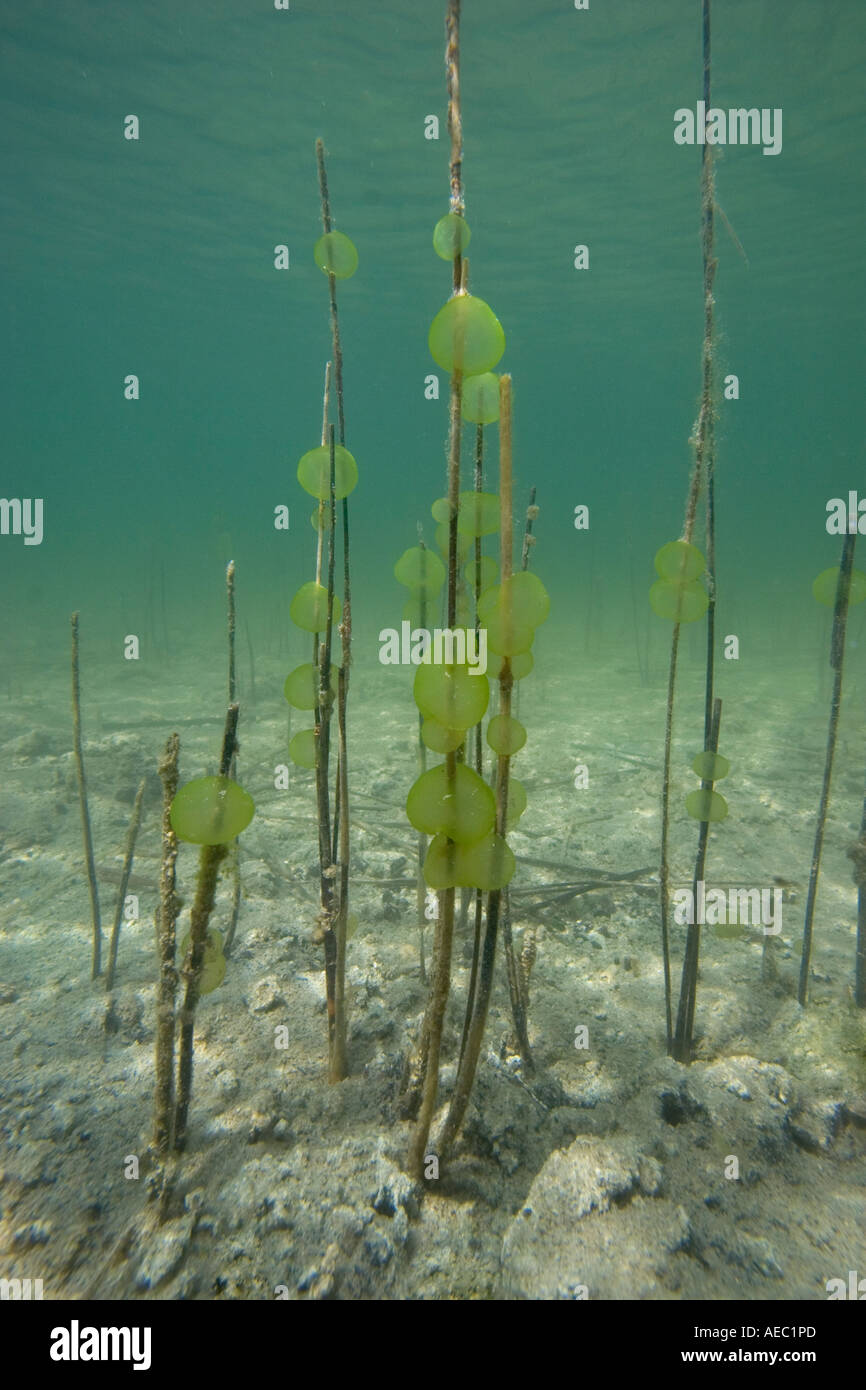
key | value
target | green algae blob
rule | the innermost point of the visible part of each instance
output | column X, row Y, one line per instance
column 412, row 609
column 480, row 399
column 489, row 572
column 213, row 969
column 679, row 562
column 439, row 739
column 451, row 236
column 314, row 473
column 302, row 687
column 517, row 801
column 211, row 811
column 488, row 864
column 302, row 748
column 521, row 665
column 706, row 805
column 464, row 542
column 420, row 568
column 451, row 695
column 505, row 637
column 464, row 812
column 523, row 595
column 323, row 514
column 682, row 603
column 505, row 734
column 466, row 336
column 824, row 587
column 440, row 510
column 309, row 608
column 335, row 254
column 478, row 514
column 710, row 767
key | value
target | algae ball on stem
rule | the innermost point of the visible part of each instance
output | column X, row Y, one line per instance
column 309, row 608
column 314, row 473
column 451, row 236
column 211, row 811
column 463, row 809
column 336, row 255
column 466, row 336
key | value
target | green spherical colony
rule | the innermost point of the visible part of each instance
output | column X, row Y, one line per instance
column 323, row 513
column 516, row 802
column 679, row 562
column 302, row 749
column 439, row 739
column 506, row 735
column 464, row 812
column 440, row 511
column 487, row 865
column 451, row 695
column 309, row 608
column 302, row 687
column 420, row 568
column 521, row 665
column 417, row 609
column 711, row 767
column 490, row 864
column 213, row 945
column 478, row 514
column 479, row 402
column 442, row 536
column 314, row 473
column 506, row 636
column 706, row 805
column 489, row 572
column 824, row 587
column 211, row 811
column 466, row 336
column 335, row 254
column 523, row 595
column 451, row 236
column 682, row 603
column 213, row 964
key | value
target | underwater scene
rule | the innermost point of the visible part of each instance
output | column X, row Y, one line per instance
column 433, row 651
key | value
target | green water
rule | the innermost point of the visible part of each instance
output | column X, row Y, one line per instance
column 155, row 257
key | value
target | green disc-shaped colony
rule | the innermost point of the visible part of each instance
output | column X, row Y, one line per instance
column 678, row 594
column 335, row 254
column 211, row 811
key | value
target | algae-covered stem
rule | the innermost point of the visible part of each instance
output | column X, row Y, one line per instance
column 837, row 661
column 469, row 1061
column 233, row 770
column 323, row 745
column 857, row 852
column 96, row 959
column 205, row 893
column 167, row 984
column 131, row 834
column 441, row 967
column 684, row 1035
column 421, row 887
column 703, row 468
column 479, row 897
column 339, row 1065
